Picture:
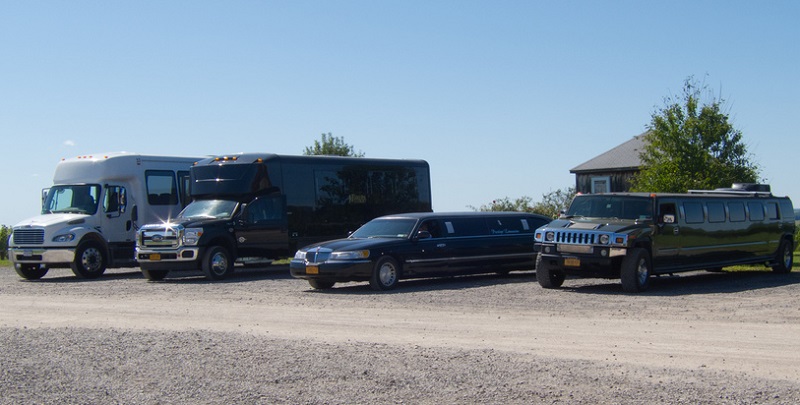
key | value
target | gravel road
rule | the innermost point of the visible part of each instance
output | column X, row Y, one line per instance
column 263, row 337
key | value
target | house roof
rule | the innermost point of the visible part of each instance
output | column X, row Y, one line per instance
column 622, row 157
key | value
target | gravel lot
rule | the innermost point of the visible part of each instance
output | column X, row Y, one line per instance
column 263, row 337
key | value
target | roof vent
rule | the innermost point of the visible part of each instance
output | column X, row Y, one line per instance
column 764, row 188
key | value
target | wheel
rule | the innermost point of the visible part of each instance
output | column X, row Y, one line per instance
column 784, row 259
column 30, row 271
column 321, row 284
column 90, row 261
column 154, row 275
column 635, row 270
column 385, row 274
column 546, row 275
column 217, row 263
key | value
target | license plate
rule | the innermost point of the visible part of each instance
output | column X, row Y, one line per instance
column 572, row 262
column 155, row 256
column 312, row 270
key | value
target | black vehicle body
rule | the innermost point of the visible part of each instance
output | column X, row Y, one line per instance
column 422, row 245
column 634, row 235
column 258, row 207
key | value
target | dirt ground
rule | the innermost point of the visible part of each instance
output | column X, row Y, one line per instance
column 264, row 337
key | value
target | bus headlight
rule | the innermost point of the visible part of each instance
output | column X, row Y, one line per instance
column 191, row 236
column 67, row 237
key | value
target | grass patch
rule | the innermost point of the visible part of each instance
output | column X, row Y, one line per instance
column 5, row 263
column 759, row 267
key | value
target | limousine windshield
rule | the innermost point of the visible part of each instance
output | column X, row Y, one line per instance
column 385, row 228
column 608, row 206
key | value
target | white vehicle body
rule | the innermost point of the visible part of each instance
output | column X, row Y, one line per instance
column 91, row 234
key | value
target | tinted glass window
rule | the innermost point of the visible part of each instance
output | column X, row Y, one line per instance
column 161, row 187
column 756, row 211
column 465, row 227
column 603, row 206
column 736, row 211
column 772, row 210
column 716, row 212
column 183, row 185
column 694, row 212
column 503, row 226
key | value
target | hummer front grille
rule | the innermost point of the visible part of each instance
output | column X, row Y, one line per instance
column 576, row 237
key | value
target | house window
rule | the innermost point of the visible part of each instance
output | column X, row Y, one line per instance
column 601, row 185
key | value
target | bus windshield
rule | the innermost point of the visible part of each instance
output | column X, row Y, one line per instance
column 72, row 198
column 608, row 206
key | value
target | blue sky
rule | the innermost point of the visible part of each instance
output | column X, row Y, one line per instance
column 502, row 98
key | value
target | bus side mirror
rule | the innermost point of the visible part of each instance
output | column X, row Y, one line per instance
column 669, row 219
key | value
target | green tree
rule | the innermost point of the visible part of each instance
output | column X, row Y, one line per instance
column 5, row 232
column 551, row 205
column 690, row 145
column 332, row 145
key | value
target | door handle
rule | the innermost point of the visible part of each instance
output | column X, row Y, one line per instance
column 676, row 230
column 441, row 245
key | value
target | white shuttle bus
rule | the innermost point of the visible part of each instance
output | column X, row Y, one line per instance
column 91, row 213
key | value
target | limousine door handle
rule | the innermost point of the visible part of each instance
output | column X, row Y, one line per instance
column 441, row 245
column 676, row 230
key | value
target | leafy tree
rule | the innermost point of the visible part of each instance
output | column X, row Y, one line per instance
column 332, row 145
column 5, row 232
column 551, row 205
column 692, row 146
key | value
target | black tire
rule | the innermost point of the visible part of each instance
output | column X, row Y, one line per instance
column 30, row 271
column 784, row 259
column 635, row 270
column 546, row 275
column 90, row 261
column 321, row 284
column 385, row 274
column 154, row 275
column 217, row 263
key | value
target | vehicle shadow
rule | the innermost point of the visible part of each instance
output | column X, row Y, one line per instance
column 68, row 277
column 240, row 275
column 696, row 283
column 449, row 283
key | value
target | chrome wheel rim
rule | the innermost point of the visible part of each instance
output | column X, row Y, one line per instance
column 387, row 274
column 91, row 259
column 219, row 264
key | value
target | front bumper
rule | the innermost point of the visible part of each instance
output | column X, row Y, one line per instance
column 333, row 270
column 183, row 258
column 41, row 255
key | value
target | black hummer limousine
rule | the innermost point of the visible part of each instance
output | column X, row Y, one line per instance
column 631, row 236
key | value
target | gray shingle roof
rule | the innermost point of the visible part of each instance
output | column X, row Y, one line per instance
column 624, row 156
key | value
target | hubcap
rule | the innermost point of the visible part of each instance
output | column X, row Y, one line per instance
column 641, row 272
column 387, row 274
column 91, row 259
column 219, row 264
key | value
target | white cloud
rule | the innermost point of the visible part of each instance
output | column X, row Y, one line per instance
column 69, row 142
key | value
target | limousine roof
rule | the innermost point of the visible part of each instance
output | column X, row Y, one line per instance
column 737, row 190
column 464, row 214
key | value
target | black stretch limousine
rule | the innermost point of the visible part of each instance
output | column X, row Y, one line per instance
column 417, row 245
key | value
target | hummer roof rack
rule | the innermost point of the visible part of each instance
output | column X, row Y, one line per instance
column 753, row 189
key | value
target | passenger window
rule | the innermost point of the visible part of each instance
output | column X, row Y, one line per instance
column 467, row 227
column 266, row 209
column 716, row 212
column 772, row 211
column 666, row 213
column 503, row 226
column 694, row 212
column 432, row 227
column 161, row 187
column 736, row 211
column 756, row 211
column 184, row 182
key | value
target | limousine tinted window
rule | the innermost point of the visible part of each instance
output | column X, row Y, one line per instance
column 772, row 211
column 503, row 226
column 756, row 211
column 736, row 211
column 694, row 212
column 716, row 212
column 465, row 227
column 601, row 206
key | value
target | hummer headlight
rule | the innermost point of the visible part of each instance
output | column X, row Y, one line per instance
column 550, row 236
column 604, row 239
